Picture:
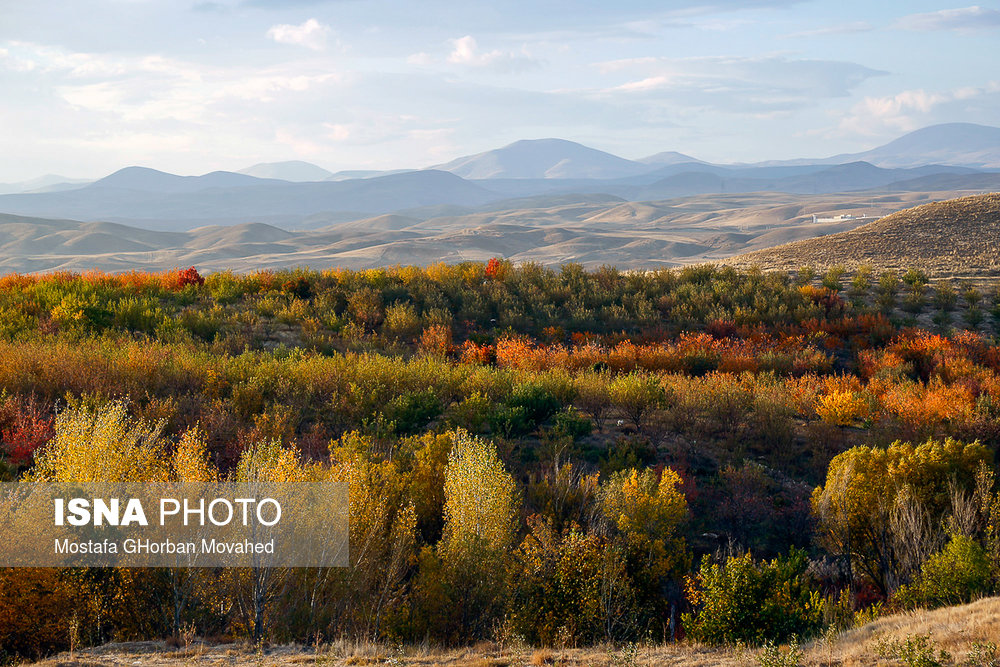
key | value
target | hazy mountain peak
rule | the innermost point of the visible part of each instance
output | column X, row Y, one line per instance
column 962, row 144
column 137, row 178
column 152, row 180
column 46, row 183
column 292, row 170
column 668, row 158
column 543, row 158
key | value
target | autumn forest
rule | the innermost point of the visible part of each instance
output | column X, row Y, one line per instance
column 557, row 456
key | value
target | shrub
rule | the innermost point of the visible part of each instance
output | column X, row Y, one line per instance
column 471, row 413
column 913, row 651
column 888, row 288
column 178, row 279
column 401, row 321
column 30, row 427
column 436, row 340
column 572, row 423
column 627, row 452
column 636, row 394
column 560, row 595
column 957, row 574
column 411, row 412
column 945, row 297
column 831, row 280
column 771, row 655
column 864, row 484
column 527, row 406
column 744, row 600
column 841, row 408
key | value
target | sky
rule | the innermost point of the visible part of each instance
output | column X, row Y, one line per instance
column 88, row 87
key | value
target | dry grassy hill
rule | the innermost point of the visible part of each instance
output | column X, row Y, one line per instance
column 957, row 237
column 965, row 632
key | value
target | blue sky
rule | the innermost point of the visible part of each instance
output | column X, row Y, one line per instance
column 190, row 87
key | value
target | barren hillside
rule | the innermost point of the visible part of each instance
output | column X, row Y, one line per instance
column 959, row 237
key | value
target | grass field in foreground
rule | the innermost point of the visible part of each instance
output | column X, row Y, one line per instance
column 964, row 632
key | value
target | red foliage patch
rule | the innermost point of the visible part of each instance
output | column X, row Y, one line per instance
column 178, row 279
column 29, row 426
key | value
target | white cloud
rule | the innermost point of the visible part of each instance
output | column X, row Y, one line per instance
column 466, row 51
column 839, row 29
column 626, row 63
column 911, row 109
column 963, row 19
column 151, row 88
column 312, row 34
column 874, row 115
column 734, row 84
column 421, row 58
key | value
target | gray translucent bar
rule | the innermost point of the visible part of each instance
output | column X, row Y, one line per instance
column 174, row 525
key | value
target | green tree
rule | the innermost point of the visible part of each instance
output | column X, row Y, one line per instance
column 744, row 600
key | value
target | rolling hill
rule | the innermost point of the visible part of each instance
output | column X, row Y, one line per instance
column 550, row 230
column 958, row 237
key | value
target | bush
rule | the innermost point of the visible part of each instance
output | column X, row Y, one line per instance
column 636, row 394
column 771, row 655
column 913, row 651
column 744, row 600
column 955, row 575
column 573, row 423
column 625, row 453
column 528, row 405
column 841, row 408
column 411, row 412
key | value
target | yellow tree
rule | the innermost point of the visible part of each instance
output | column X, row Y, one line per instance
column 190, row 466
column 480, row 497
column 648, row 509
column 868, row 487
column 191, row 463
column 480, row 506
column 383, row 534
column 103, row 446
column 266, row 462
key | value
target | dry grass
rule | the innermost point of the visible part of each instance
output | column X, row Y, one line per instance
column 542, row 657
column 957, row 237
column 954, row 629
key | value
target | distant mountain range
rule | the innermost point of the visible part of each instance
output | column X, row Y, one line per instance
column 961, row 144
column 47, row 183
column 952, row 144
column 300, row 195
column 957, row 144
